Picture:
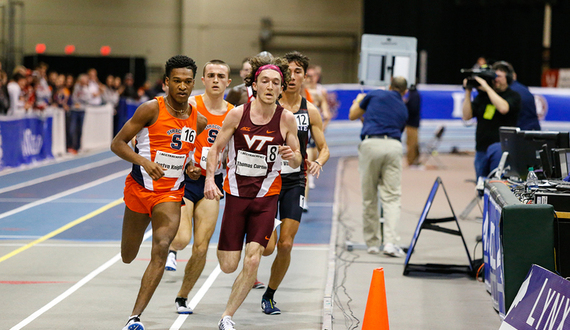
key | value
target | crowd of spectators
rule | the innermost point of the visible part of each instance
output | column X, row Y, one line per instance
column 33, row 91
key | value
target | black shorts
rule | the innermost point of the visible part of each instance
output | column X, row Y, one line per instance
column 194, row 189
column 291, row 202
column 252, row 218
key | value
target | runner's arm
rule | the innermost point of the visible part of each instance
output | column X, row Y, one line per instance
column 290, row 151
column 315, row 167
column 145, row 115
column 230, row 125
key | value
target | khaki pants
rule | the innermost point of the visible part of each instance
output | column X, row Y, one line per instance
column 380, row 166
column 413, row 154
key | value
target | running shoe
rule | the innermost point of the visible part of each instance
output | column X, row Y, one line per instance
column 269, row 308
column 181, row 306
column 393, row 250
column 134, row 323
column 171, row 261
column 258, row 285
column 226, row 323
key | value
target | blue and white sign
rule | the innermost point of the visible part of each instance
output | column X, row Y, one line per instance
column 444, row 102
column 25, row 140
column 543, row 302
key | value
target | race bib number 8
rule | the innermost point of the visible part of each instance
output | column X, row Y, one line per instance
column 250, row 164
column 188, row 135
column 272, row 153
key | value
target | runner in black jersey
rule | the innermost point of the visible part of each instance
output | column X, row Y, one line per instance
column 291, row 198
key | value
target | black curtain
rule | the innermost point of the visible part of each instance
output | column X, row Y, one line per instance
column 456, row 32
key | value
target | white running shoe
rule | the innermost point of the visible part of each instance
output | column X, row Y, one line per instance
column 311, row 179
column 134, row 323
column 373, row 250
column 171, row 261
column 182, row 306
column 393, row 250
column 226, row 323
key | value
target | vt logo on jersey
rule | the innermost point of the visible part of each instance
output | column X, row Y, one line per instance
column 252, row 140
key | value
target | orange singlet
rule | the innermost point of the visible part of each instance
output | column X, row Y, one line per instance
column 167, row 142
column 208, row 136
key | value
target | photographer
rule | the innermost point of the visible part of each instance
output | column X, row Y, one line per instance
column 493, row 107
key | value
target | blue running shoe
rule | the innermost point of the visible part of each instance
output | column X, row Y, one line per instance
column 269, row 308
column 134, row 323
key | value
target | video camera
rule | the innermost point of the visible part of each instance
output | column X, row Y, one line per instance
column 486, row 73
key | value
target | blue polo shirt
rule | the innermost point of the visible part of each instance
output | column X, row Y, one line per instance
column 528, row 119
column 386, row 114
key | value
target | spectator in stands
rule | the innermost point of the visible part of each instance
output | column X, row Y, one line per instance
column 481, row 62
column 29, row 91
column 61, row 99
column 61, row 93
column 69, row 84
column 42, row 89
column 52, row 80
column 129, row 90
column 80, row 97
column 118, row 85
column 4, row 97
column 95, row 88
column 15, row 92
column 144, row 92
column 20, row 69
column 110, row 94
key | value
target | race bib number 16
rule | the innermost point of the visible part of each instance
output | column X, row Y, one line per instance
column 188, row 135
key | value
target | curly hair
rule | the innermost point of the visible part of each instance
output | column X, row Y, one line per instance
column 300, row 59
column 259, row 61
column 180, row 61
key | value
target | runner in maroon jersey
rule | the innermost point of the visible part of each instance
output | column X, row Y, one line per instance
column 256, row 134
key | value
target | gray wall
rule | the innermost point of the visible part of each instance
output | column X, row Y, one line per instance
column 202, row 29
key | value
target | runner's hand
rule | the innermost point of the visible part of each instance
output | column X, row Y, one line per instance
column 286, row 152
column 193, row 172
column 154, row 170
column 313, row 168
column 211, row 190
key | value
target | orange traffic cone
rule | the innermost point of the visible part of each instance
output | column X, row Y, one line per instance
column 376, row 314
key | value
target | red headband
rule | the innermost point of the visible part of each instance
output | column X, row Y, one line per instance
column 268, row 66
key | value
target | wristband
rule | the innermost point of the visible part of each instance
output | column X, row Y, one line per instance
column 316, row 161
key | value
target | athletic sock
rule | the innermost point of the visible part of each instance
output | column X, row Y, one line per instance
column 269, row 293
column 172, row 251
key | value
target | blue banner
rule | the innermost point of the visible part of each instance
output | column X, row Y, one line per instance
column 542, row 302
column 25, row 140
column 445, row 101
column 493, row 253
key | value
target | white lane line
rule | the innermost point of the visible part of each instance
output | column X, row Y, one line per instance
column 60, row 174
column 197, row 297
column 74, row 288
column 327, row 323
column 64, row 193
column 62, row 200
